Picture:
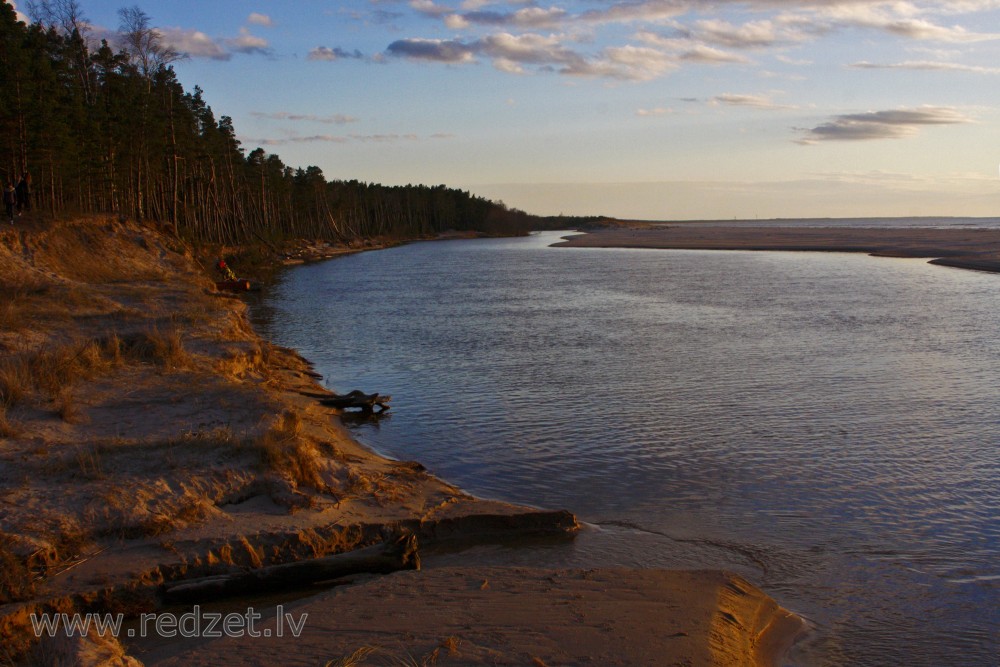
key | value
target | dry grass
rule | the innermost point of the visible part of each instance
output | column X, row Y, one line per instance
column 51, row 371
column 165, row 349
column 375, row 655
column 283, row 449
column 88, row 460
column 188, row 512
column 353, row 660
column 7, row 429
column 54, row 370
column 68, row 408
column 15, row 577
column 245, row 360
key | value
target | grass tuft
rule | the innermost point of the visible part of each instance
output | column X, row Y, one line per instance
column 283, row 449
column 165, row 349
column 353, row 660
column 7, row 429
column 69, row 409
column 15, row 577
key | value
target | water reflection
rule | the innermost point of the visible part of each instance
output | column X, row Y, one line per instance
column 823, row 424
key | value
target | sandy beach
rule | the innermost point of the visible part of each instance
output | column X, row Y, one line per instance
column 963, row 248
column 149, row 436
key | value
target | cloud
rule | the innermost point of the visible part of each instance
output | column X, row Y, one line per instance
column 436, row 50
column 657, row 111
column 900, row 19
column 929, row 66
column 631, row 12
column 21, row 16
column 335, row 53
column 670, row 33
column 429, row 8
column 753, row 101
column 194, row 44
column 334, row 139
column 336, row 119
column 247, row 43
column 528, row 17
column 699, row 53
column 260, row 19
column 891, row 124
column 753, row 35
column 510, row 53
column 690, row 50
column 792, row 61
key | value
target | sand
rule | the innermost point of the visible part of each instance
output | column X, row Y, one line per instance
column 521, row 616
column 148, row 435
column 963, row 248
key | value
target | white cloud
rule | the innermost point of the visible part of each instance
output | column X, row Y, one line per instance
column 753, row 101
column 657, row 111
column 670, row 32
column 928, row 66
column 429, row 8
column 21, row 16
column 700, row 53
column 260, row 19
column 247, row 43
column 194, row 44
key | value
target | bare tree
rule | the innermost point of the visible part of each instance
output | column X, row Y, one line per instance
column 143, row 42
column 64, row 14
column 67, row 15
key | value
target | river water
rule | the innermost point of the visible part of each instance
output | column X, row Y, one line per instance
column 827, row 425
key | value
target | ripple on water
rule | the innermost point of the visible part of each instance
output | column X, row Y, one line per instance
column 825, row 424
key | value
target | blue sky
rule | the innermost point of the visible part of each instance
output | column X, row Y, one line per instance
column 655, row 109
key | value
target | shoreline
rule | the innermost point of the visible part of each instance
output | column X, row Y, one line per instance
column 119, row 478
column 976, row 249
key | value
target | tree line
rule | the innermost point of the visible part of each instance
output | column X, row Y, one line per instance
column 103, row 129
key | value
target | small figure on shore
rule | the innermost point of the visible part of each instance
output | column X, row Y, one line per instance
column 23, row 193
column 224, row 269
column 9, row 201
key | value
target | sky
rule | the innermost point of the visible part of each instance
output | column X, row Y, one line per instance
column 648, row 109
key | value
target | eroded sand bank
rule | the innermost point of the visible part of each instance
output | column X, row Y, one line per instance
column 963, row 248
column 148, row 435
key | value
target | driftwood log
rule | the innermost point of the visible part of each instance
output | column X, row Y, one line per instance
column 358, row 399
column 378, row 559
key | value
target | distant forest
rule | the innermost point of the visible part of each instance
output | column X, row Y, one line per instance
column 113, row 131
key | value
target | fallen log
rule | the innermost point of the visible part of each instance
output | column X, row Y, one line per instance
column 378, row 559
column 358, row 399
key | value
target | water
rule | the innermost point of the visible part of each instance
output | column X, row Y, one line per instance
column 826, row 425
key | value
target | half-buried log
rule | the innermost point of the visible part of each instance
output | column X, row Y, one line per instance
column 378, row 559
column 358, row 399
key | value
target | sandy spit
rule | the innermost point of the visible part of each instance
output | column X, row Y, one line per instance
column 964, row 248
column 149, row 435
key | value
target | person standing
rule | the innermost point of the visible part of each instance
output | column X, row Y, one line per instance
column 9, row 201
column 23, row 192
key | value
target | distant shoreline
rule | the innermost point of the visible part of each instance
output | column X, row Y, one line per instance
column 966, row 248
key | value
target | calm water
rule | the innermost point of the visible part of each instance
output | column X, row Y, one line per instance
column 825, row 424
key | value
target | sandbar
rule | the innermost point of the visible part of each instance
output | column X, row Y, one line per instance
column 963, row 248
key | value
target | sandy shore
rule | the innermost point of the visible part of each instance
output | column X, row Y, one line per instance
column 522, row 616
column 148, row 436
column 963, row 248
